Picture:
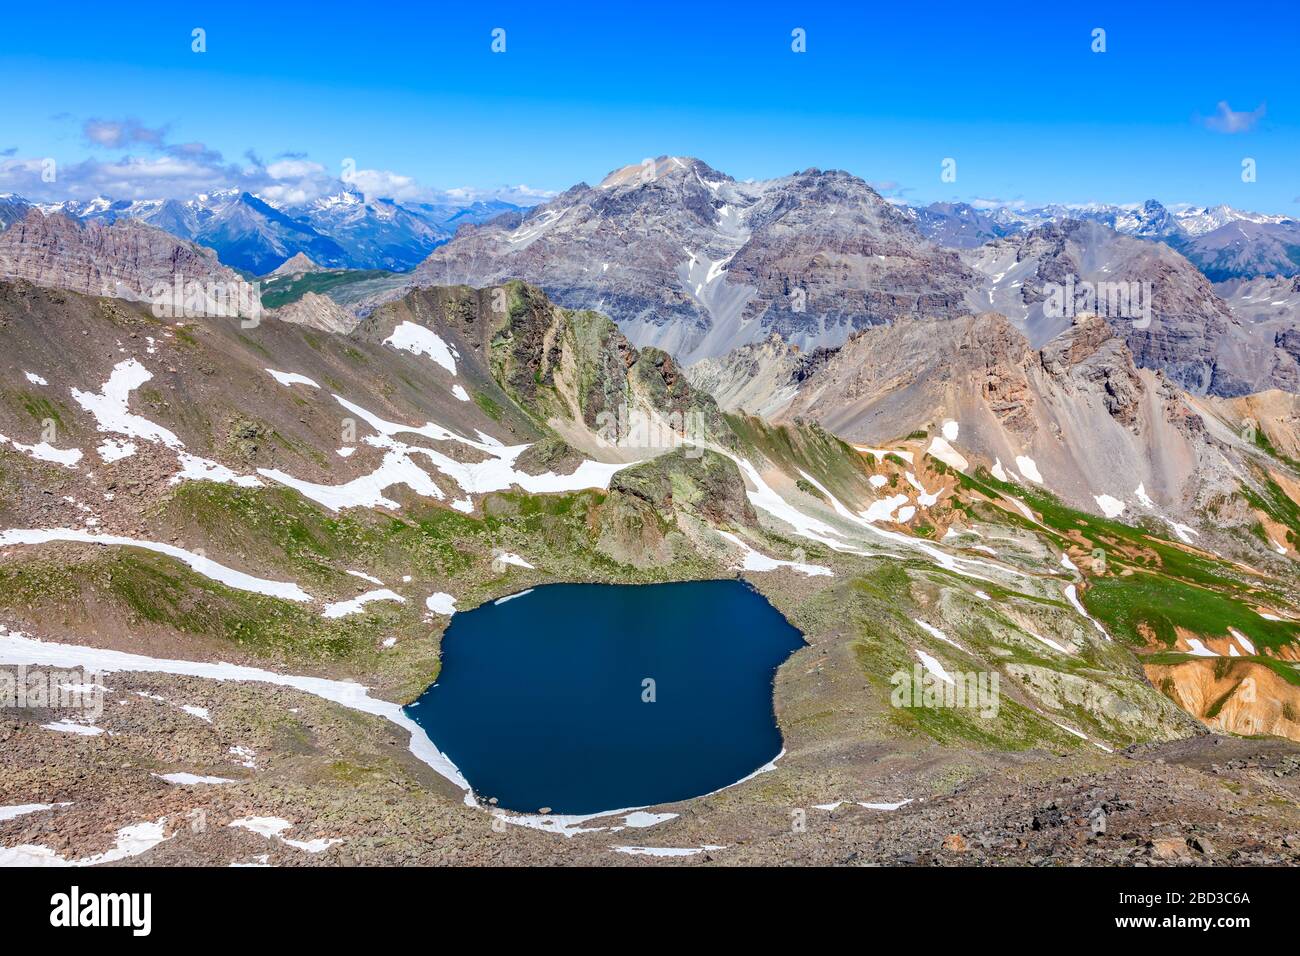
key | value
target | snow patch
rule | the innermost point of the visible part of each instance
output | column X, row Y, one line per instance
column 665, row 850
column 131, row 841
column 420, row 340
column 198, row 563
column 441, row 603
column 191, row 779
column 511, row 597
column 115, row 449
column 71, row 727
column 44, row 451
column 1110, row 507
column 22, row 809
column 883, row 509
column 1246, row 644
column 344, row 608
column 496, row 473
column 944, row 452
column 641, row 819
column 755, row 561
column 1029, row 468
column 1045, row 640
column 936, row 633
column 885, row 806
column 923, row 498
column 1072, row 595
column 291, row 378
column 194, row 468
column 933, row 666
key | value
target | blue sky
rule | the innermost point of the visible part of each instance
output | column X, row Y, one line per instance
column 413, row 92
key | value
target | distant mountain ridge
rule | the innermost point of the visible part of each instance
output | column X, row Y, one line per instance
column 1223, row 242
column 342, row 231
column 942, row 221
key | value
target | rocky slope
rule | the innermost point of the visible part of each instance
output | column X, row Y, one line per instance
column 316, row 312
column 759, row 379
column 125, row 260
column 214, row 495
column 1169, row 313
column 1078, row 411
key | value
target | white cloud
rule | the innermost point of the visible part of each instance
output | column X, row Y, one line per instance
column 295, row 168
column 383, row 184
column 980, row 203
column 180, row 171
column 522, row 195
column 1228, row 120
column 114, row 134
column 155, row 168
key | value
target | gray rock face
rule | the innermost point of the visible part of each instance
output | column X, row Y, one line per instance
column 1262, row 347
column 123, row 261
column 687, row 259
column 1029, row 277
column 317, row 312
column 758, row 379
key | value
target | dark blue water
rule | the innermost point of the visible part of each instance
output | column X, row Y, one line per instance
column 540, row 699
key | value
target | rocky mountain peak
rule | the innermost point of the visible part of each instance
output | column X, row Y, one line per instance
column 1091, row 356
column 689, row 260
column 663, row 167
column 297, row 264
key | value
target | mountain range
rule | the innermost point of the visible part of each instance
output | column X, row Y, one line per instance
column 690, row 260
column 918, row 459
column 344, row 230
column 347, row 230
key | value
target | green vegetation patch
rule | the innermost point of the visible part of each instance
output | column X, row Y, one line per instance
column 281, row 290
column 144, row 588
column 1162, row 604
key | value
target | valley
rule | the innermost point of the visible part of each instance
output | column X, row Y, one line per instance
column 253, row 541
